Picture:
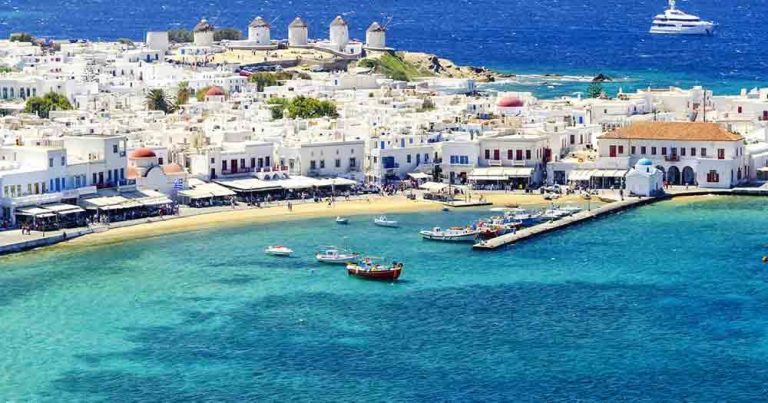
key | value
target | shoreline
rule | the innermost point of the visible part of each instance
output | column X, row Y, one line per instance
column 280, row 213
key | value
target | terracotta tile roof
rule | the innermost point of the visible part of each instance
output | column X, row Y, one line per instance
column 685, row 131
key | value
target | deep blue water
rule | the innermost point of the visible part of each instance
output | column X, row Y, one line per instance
column 664, row 303
column 582, row 37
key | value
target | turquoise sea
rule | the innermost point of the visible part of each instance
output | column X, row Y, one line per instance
column 664, row 303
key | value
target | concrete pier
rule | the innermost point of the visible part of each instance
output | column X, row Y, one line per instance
column 577, row 218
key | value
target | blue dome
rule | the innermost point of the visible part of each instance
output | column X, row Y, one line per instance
column 645, row 162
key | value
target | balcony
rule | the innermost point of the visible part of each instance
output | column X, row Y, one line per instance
column 238, row 171
column 672, row 158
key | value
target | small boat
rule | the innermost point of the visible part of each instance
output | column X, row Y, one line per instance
column 278, row 250
column 586, row 196
column 454, row 234
column 551, row 196
column 333, row 255
column 570, row 210
column 342, row 220
column 383, row 221
column 368, row 270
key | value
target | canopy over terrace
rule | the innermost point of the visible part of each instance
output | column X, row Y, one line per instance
column 205, row 194
column 52, row 216
column 517, row 177
column 129, row 205
column 597, row 178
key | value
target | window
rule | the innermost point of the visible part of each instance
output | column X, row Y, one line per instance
column 713, row 176
column 721, row 153
column 322, row 164
column 487, row 154
column 519, row 155
column 573, row 138
column 632, row 150
column 621, row 150
column 663, row 150
column 653, row 150
column 612, row 151
column 509, row 154
column 160, row 161
column 496, row 155
column 352, row 163
column 242, row 163
column 253, row 162
column 682, row 151
column 312, row 164
column 63, row 160
column 94, row 180
column 408, row 158
column 50, row 162
column 527, row 154
column 122, row 173
column 740, row 109
column 338, row 163
column 642, row 150
column 114, row 148
column 224, row 165
column 703, row 152
column 693, row 152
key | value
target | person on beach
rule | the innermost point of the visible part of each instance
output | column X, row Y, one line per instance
column 290, row 207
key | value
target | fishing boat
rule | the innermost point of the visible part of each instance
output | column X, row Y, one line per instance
column 278, row 250
column 453, row 234
column 383, row 221
column 342, row 220
column 490, row 231
column 334, row 255
column 525, row 218
column 368, row 270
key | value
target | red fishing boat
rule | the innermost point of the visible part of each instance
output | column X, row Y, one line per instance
column 368, row 270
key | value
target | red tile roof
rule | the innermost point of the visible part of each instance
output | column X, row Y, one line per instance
column 684, row 131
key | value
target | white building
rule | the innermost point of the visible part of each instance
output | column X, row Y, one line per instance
column 702, row 154
column 644, row 179
column 326, row 158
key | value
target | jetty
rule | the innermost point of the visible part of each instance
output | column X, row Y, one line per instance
column 580, row 217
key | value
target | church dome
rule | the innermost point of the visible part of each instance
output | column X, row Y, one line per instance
column 645, row 162
column 142, row 153
column 203, row 26
column 215, row 92
column 510, row 102
column 172, row 168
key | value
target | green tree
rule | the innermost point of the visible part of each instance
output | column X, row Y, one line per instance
column 302, row 107
column 42, row 106
column 5, row 69
column 182, row 93
column 227, row 34
column 180, row 36
column 595, row 89
column 263, row 80
column 22, row 37
column 156, row 100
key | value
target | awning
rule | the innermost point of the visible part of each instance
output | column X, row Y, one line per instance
column 250, row 185
column 206, row 191
column 63, row 209
column 35, row 212
column 763, row 170
column 419, row 175
column 433, row 186
column 578, row 175
column 335, row 182
column 499, row 173
column 155, row 201
column 96, row 203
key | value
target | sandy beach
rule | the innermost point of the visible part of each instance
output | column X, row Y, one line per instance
column 242, row 216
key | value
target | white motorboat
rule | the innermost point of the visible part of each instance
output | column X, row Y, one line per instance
column 383, row 221
column 278, row 250
column 342, row 220
column 333, row 255
column 570, row 210
column 455, row 234
column 676, row 22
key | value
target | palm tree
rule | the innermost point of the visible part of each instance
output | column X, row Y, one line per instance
column 182, row 93
column 157, row 101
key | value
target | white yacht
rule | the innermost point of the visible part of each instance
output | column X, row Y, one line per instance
column 676, row 22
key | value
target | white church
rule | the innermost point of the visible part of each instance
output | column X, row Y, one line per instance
column 644, row 179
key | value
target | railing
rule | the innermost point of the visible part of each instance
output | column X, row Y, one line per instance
column 671, row 158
